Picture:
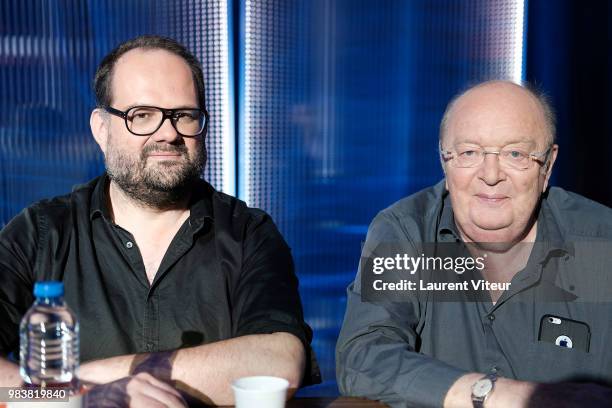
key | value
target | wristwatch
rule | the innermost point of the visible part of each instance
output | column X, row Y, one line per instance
column 482, row 389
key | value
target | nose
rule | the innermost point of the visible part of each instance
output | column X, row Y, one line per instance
column 166, row 133
column 490, row 171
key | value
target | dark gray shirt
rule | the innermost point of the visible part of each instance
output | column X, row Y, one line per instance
column 408, row 352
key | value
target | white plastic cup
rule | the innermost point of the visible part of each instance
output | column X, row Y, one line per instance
column 260, row 391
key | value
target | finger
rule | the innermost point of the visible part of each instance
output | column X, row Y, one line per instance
column 142, row 386
column 159, row 384
column 151, row 396
column 144, row 401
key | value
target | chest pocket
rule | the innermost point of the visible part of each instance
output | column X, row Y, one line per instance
column 551, row 363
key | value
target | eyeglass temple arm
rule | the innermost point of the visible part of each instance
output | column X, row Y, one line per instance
column 115, row 112
column 543, row 154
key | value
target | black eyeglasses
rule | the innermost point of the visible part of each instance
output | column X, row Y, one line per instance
column 146, row 120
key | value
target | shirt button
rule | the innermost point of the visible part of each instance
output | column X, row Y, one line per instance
column 129, row 244
column 491, row 317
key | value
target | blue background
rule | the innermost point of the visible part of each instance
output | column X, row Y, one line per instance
column 323, row 112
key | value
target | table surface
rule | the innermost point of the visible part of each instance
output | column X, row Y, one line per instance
column 340, row 402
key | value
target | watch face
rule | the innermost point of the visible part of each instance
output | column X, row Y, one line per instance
column 482, row 387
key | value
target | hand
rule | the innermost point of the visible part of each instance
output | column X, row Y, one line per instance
column 9, row 374
column 139, row 391
column 570, row 395
column 146, row 391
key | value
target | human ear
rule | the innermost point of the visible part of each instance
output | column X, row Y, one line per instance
column 547, row 168
column 98, row 122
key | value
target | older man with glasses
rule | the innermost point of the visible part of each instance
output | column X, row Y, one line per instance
column 535, row 336
column 173, row 282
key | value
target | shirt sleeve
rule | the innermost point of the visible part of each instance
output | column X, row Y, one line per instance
column 266, row 299
column 18, row 248
column 376, row 353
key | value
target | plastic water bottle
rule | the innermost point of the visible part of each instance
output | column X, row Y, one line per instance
column 49, row 340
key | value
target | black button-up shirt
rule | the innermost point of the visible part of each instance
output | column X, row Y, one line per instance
column 227, row 273
column 409, row 350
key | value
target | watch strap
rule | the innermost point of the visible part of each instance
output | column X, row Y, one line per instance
column 478, row 402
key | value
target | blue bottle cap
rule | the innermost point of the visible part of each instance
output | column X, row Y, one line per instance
column 49, row 289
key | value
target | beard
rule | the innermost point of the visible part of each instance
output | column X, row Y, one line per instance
column 160, row 184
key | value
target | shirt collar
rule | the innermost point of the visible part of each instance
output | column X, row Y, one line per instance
column 447, row 230
column 200, row 207
column 550, row 235
column 99, row 205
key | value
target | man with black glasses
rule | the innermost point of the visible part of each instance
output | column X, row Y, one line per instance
column 528, row 322
column 170, row 279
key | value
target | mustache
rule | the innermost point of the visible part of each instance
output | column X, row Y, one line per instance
column 147, row 150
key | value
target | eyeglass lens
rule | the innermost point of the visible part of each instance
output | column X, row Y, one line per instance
column 511, row 157
column 146, row 120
